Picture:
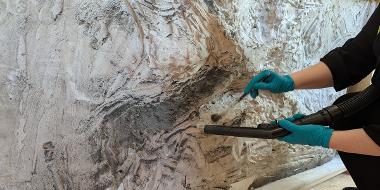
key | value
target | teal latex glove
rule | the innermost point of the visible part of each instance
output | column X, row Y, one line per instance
column 273, row 82
column 313, row 135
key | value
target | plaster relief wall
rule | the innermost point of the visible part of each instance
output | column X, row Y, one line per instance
column 107, row 94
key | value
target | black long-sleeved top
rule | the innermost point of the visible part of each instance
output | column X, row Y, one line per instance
column 357, row 58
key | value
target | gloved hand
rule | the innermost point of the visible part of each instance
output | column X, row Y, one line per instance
column 313, row 135
column 269, row 80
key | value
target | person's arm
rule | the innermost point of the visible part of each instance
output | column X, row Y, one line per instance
column 313, row 77
column 354, row 141
column 364, row 141
column 356, row 58
column 346, row 65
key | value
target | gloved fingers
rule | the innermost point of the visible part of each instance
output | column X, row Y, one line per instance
column 291, row 119
column 295, row 117
column 266, row 74
column 254, row 93
column 287, row 138
column 274, row 122
column 263, row 86
column 288, row 125
column 256, row 79
column 298, row 116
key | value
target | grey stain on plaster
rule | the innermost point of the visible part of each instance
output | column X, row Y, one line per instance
column 97, row 19
column 3, row 12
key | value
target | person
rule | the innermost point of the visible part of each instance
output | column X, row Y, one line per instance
column 357, row 138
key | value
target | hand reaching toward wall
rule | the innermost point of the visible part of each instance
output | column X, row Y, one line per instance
column 269, row 80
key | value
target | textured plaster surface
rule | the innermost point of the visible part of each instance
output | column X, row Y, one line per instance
column 105, row 94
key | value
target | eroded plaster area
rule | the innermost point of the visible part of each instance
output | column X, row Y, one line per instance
column 107, row 94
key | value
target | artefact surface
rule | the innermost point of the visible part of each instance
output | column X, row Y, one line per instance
column 105, row 94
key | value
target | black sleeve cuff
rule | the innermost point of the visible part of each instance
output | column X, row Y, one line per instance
column 376, row 77
column 338, row 70
column 373, row 131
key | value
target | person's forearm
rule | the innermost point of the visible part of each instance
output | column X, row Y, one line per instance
column 354, row 141
column 313, row 77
